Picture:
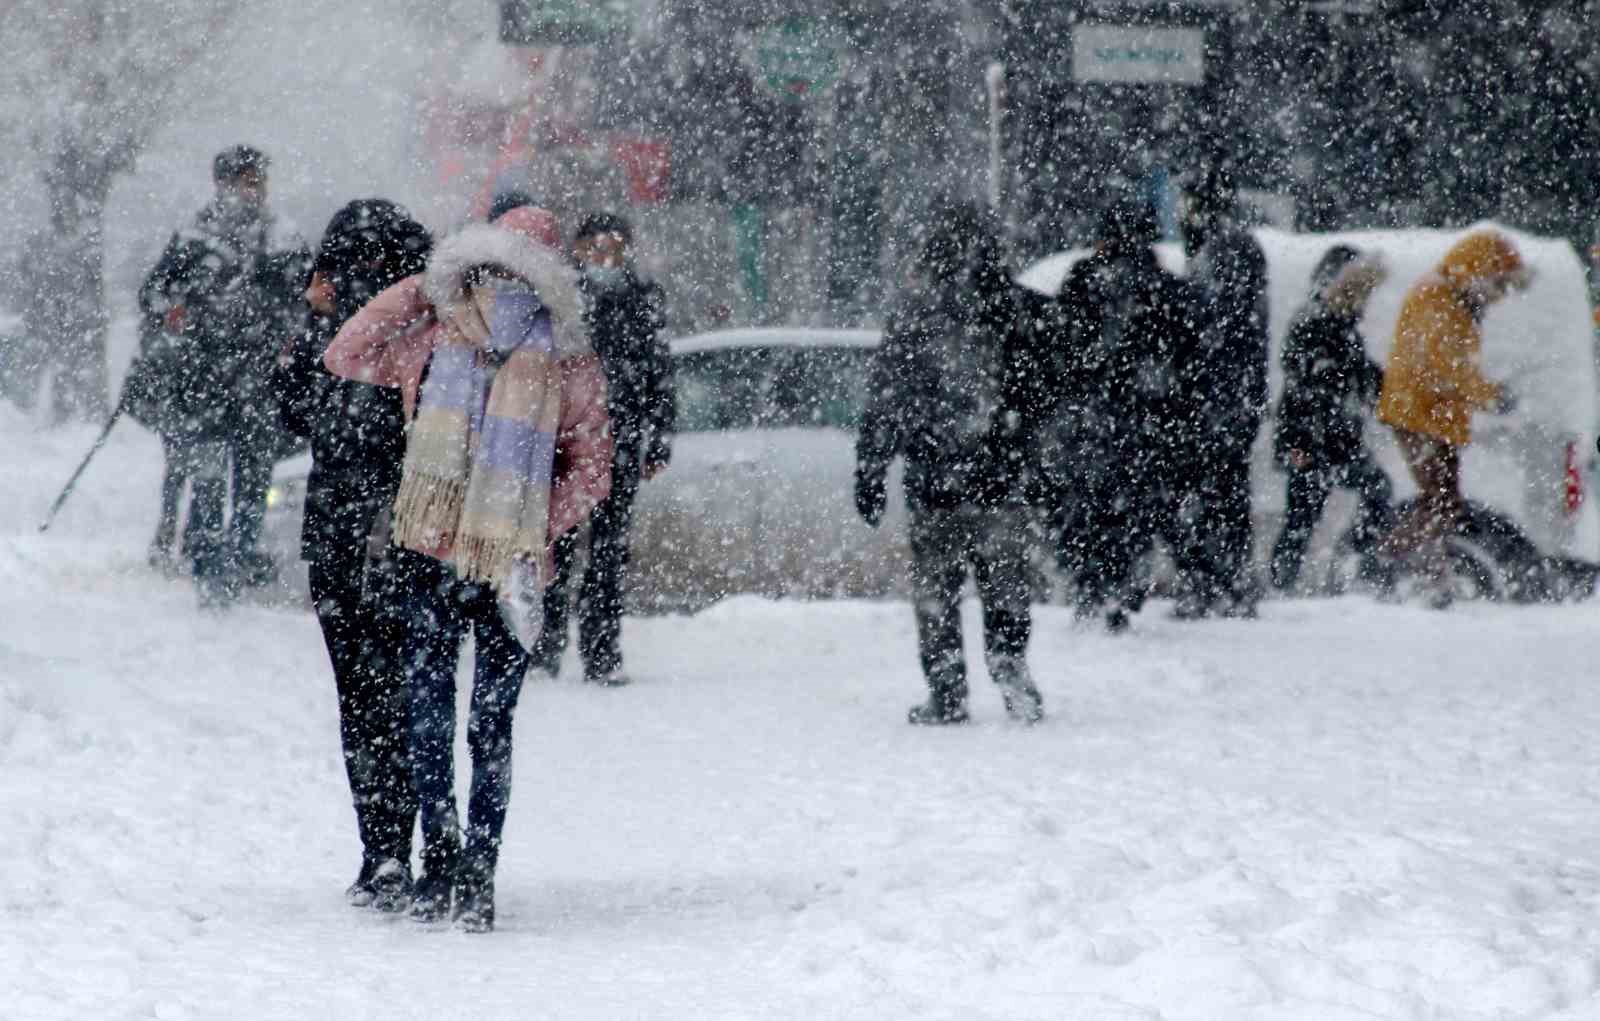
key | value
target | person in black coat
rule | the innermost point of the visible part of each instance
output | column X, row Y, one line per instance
column 1329, row 385
column 626, row 318
column 945, row 393
column 357, row 435
column 1226, row 389
column 1127, row 328
column 221, row 300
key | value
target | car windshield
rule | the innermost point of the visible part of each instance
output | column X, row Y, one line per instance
column 772, row 388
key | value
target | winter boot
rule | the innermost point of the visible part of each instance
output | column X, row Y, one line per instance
column 475, row 899
column 612, row 679
column 431, row 893
column 391, row 886
column 360, row 894
column 946, row 704
column 1023, row 703
column 1116, row 620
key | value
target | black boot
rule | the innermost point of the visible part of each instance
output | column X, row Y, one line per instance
column 431, row 893
column 391, row 886
column 475, row 899
column 946, row 704
column 1023, row 703
column 360, row 893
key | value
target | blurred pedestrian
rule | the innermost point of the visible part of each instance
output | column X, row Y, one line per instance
column 1329, row 386
column 1432, row 385
column 508, row 448
column 1128, row 326
column 943, row 394
column 357, row 435
column 220, row 303
column 1227, row 388
column 625, row 318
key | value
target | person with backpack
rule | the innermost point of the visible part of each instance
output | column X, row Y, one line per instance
column 943, row 391
column 1329, row 385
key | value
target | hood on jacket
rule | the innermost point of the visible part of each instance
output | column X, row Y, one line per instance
column 1481, row 255
column 516, row 243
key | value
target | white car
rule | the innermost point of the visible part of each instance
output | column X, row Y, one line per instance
column 760, row 493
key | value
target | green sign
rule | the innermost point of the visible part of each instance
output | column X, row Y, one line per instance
column 563, row 22
column 797, row 58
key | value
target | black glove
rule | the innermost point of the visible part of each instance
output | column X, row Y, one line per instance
column 871, row 498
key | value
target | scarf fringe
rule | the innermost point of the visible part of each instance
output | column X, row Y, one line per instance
column 427, row 511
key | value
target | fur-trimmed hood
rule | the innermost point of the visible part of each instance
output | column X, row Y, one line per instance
column 541, row 267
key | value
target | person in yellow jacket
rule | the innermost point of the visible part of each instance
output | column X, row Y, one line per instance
column 1433, row 385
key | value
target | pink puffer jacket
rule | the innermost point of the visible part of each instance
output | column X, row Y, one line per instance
column 390, row 341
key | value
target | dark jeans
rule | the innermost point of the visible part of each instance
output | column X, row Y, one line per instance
column 1214, row 555
column 364, row 629
column 252, row 477
column 600, row 594
column 944, row 545
column 199, row 464
column 442, row 609
column 1112, row 522
column 1309, row 489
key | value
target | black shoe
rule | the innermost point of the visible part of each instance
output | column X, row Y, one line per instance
column 475, row 902
column 430, row 896
column 938, row 712
column 255, row 569
column 612, row 679
column 391, row 886
column 1023, row 703
column 360, row 894
column 1116, row 621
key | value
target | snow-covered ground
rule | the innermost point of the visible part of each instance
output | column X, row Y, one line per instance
column 1342, row 811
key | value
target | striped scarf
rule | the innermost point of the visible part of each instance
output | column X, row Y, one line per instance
column 475, row 488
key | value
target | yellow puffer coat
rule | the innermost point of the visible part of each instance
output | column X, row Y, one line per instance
column 1432, row 384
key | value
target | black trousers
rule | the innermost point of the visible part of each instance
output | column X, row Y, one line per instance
column 1214, row 519
column 945, row 544
column 1309, row 489
column 1121, row 505
column 365, row 635
column 600, row 596
column 252, row 477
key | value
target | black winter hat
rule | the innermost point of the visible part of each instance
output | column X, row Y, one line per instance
column 604, row 223
column 236, row 161
column 374, row 234
column 1128, row 222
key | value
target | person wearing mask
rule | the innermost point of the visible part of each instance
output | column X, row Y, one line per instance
column 1127, row 326
column 508, row 448
column 1227, row 394
column 1432, row 385
column 1329, row 385
column 943, row 389
column 357, row 436
column 220, row 302
column 625, row 320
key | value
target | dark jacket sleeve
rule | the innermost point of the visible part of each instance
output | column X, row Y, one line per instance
column 882, row 434
column 1290, row 429
column 661, row 406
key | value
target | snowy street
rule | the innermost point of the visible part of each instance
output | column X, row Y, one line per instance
column 1345, row 810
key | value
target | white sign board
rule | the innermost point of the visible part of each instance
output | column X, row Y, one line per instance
column 1136, row 54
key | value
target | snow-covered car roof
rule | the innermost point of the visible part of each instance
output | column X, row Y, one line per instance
column 774, row 336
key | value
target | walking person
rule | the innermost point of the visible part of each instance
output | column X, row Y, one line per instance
column 944, row 394
column 1127, row 328
column 220, row 302
column 625, row 319
column 1329, row 386
column 1227, row 388
column 508, row 448
column 1433, row 385
column 357, row 434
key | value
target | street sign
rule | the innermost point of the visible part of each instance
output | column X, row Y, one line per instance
column 563, row 22
column 796, row 58
column 1136, row 54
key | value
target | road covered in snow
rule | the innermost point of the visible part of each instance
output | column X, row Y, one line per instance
column 1342, row 811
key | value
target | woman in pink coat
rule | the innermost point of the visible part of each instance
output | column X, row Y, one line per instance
column 508, row 447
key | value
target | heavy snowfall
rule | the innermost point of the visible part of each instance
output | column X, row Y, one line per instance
column 792, row 314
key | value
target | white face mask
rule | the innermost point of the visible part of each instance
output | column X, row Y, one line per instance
column 606, row 277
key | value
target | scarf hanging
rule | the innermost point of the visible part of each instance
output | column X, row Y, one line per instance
column 475, row 488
